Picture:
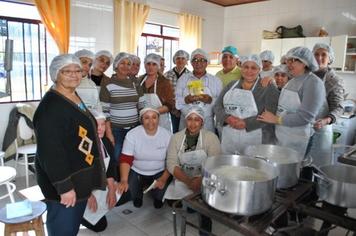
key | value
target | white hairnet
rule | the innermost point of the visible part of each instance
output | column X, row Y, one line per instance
column 146, row 109
column 61, row 61
column 135, row 59
column 254, row 58
column 267, row 55
column 119, row 57
column 283, row 59
column 195, row 110
column 281, row 69
column 84, row 53
column 180, row 53
column 154, row 58
column 327, row 48
column 98, row 115
column 305, row 56
column 104, row 53
column 201, row 52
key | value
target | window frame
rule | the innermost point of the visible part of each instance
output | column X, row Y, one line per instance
column 42, row 77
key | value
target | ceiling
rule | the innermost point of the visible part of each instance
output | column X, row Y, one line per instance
column 226, row 3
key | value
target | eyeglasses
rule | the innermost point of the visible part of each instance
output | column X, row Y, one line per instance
column 292, row 60
column 71, row 72
column 199, row 60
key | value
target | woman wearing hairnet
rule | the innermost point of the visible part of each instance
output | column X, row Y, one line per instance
column 143, row 159
column 158, row 90
column 299, row 103
column 320, row 145
column 267, row 59
column 121, row 100
column 186, row 153
column 281, row 76
column 135, row 68
column 68, row 162
column 87, row 89
column 238, row 105
column 180, row 59
column 102, row 61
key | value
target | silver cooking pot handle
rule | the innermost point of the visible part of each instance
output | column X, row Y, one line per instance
column 321, row 175
column 261, row 158
column 210, row 184
column 308, row 162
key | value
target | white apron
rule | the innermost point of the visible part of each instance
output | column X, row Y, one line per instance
column 320, row 145
column 153, row 100
column 191, row 164
column 239, row 103
column 296, row 138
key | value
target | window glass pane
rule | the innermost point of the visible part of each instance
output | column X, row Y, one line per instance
column 18, row 92
column 168, row 54
column 152, row 29
column 3, row 96
column 155, row 45
column 172, row 32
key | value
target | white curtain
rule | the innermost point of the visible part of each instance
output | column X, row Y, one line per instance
column 129, row 20
column 190, row 31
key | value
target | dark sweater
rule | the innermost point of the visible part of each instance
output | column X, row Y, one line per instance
column 68, row 154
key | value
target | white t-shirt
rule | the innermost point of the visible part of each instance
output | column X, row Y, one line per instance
column 149, row 151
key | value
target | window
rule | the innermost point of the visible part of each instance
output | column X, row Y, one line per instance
column 33, row 48
column 160, row 39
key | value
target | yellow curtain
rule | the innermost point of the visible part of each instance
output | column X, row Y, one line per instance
column 129, row 20
column 190, row 31
column 55, row 15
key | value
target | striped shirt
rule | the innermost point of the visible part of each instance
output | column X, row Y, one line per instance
column 121, row 101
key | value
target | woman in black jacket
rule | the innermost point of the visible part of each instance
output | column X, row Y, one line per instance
column 68, row 160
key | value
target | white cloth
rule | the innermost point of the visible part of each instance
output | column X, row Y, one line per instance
column 239, row 103
column 212, row 87
column 191, row 163
column 152, row 100
column 149, row 151
column 88, row 92
column 289, row 101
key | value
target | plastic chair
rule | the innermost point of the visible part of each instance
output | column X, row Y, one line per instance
column 25, row 133
column 6, row 175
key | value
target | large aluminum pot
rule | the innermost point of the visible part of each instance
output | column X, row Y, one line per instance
column 337, row 184
column 236, row 196
column 286, row 160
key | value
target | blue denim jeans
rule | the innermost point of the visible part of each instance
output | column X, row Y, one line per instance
column 119, row 135
column 64, row 221
column 175, row 123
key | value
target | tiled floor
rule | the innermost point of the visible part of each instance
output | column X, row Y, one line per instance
column 145, row 221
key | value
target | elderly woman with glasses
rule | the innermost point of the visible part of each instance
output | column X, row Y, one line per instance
column 69, row 162
column 320, row 145
column 299, row 103
column 238, row 105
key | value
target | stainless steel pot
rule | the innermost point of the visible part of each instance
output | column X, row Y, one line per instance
column 337, row 184
column 286, row 160
column 238, row 197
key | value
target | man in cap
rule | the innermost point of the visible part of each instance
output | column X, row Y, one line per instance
column 198, row 88
column 230, row 71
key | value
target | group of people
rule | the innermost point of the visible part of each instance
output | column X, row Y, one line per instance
column 124, row 133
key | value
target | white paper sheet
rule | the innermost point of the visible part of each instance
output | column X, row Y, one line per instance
column 94, row 217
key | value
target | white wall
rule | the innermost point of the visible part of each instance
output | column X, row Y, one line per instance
column 244, row 24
